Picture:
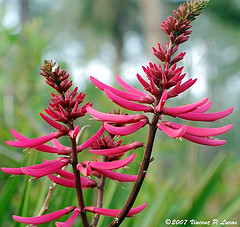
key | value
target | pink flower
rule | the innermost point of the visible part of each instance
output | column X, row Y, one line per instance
column 86, row 167
column 44, row 218
column 132, row 95
column 197, row 135
column 70, row 183
column 35, row 142
column 117, row 150
column 114, row 212
column 39, row 170
column 71, row 220
column 115, row 118
column 117, row 176
column 125, row 130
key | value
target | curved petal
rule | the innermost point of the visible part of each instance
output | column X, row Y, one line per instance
column 147, row 98
column 204, row 132
column 204, row 141
column 40, row 172
column 14, row 171
column 115, row 212
column 53, row 123
column 162, row 101
column 114, row 118
column 71, row 220
column 44, row 218
column 118, row 176
column 193, row 116
column 184, row 109
column 127, row 104
column 65, row 174
column 117, row 150
column 125, row 130
column 175, row 133
column 122, row 94
column 112, row 165
column 89, row 142
column 36, row 141
column 85, row 182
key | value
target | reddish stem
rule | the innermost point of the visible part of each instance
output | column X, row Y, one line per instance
column 77, row 180
column 141, row 174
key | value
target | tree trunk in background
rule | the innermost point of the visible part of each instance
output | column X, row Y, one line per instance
column 153, row 13
column 23, row 10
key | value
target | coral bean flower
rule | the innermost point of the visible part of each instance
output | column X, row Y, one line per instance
column 44, row 218
column 194, row 111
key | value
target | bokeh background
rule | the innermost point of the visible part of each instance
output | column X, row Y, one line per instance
column 104, row 38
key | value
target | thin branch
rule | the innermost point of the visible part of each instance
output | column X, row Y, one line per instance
column 100, row 197
column 141, row 175
column 78, row 180
column 51, row 190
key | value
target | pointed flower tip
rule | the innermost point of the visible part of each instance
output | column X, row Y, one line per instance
column 36, row 141
column 125, row 130
column 43, row 218
column 71, row 220
column 45, row 168
column 175, row 133
column 13, row 171
column 73, row 133
column 115, row 212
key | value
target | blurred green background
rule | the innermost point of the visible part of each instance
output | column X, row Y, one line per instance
column 104, row 38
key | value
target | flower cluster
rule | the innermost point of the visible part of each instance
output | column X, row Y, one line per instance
column 163, row 82
column 63, row 110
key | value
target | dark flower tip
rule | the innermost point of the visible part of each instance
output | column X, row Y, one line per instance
column 56, row 79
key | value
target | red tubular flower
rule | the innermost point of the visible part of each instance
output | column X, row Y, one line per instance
column 37, row 141
column 39, row 170
column 70, row 183
column 71, row 220
column 127, row 104
column 107, row 165
column 46, row 168
column 114, row 118
column 90, row 141
column 117, row 150
column 114, row 212
column 44, row 218
column 197, row 135
column 117, row 176
column 125, row 130
column 132, row 95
